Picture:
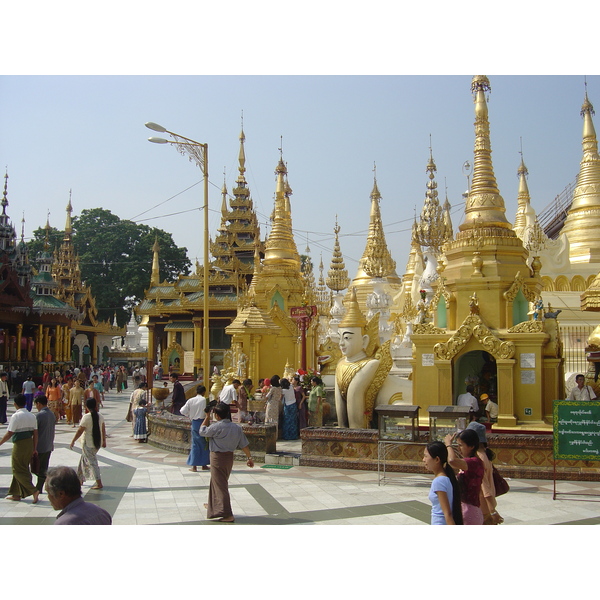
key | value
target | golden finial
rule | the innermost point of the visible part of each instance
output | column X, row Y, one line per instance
column 353, row 316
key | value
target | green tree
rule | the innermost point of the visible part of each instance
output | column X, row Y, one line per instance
column 116, row 258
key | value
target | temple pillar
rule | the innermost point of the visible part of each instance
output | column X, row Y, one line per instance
column 19, row 336
column 553, row 386
column 254, row 366
column 94, row 348
column 444, row 383
column 58, row 345
column 7, row 337
column 197, row 346
column 506, row 392
column 68, row 347
column 46, row 343
column 39, row 337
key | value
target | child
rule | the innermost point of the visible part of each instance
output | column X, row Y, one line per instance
column 140, row 430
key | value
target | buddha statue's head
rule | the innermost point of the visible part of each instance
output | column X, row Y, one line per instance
column 353, row 340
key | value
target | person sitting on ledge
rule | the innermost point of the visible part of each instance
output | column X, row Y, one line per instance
column 64, row 493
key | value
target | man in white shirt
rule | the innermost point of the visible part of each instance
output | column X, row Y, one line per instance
column 467, row 399
column 229, row 393
column 23, row 430
column 193, row 409
column 581, row 392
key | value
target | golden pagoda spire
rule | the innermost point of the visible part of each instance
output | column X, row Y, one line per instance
column 280, row 247
column 155, row 276
column 224, row 209
column 582, row 225
column 337, row 276
column 242, row 154
column 68, row 223
column 5, row 194
column 485, row 205
column 447, row 219
column 414, row 265
column 376, row 260
column 47, row 237
column 523, row 199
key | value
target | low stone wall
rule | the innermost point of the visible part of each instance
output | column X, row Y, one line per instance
column 173, row 433
column 523, row 456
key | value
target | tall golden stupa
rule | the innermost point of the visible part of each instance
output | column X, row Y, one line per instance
column 488, row 339
column 264, row 329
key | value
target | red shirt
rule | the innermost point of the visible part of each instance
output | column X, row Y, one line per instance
column 470, row 480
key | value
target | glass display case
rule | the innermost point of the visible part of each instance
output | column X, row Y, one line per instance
column 447, row 419
column 398, row 422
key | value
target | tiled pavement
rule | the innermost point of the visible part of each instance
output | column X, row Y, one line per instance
column 144, row 485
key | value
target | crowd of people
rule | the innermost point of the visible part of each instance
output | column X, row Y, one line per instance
column 75, row 398
column 289, row 405
column 462, row 490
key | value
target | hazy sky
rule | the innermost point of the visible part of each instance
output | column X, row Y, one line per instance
column 339, row 90
column 87, row 134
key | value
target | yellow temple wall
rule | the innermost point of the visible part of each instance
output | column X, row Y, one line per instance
column 528, row 378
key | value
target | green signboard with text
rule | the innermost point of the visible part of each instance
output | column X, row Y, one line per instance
column 576, row 430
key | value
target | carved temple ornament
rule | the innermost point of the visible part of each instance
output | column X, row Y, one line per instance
column 427, row 328
column 439, row 292
column 519, row 284
column 528, row 327
column 473, row 326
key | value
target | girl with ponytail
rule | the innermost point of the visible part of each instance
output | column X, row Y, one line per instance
column 444, row 494
column 94, row 437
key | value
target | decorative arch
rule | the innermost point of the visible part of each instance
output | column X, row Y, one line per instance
column 578, row 284
column 590, row 280
column 547, row 283
column 561, row 284
column 277, row 299
column 171, row 353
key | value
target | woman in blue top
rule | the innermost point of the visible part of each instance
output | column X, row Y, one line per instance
column 444, row 494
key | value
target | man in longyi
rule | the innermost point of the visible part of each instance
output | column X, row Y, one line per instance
column 358, row 376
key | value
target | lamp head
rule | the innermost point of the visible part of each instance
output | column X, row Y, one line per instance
column 156, row 127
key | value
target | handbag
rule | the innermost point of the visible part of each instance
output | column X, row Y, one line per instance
column 35, row 463
column 500, row 484
column 129, row 416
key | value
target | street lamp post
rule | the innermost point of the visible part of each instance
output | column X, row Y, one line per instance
column 198, row 153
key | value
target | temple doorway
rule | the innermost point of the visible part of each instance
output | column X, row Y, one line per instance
column 477, row 368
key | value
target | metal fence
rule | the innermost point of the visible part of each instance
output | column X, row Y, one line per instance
column 574, row 339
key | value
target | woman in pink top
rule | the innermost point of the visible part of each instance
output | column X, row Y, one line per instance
column 470, row 475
